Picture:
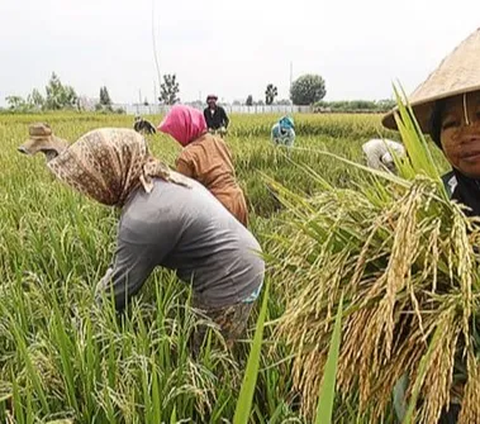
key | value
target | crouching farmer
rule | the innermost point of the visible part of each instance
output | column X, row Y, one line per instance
column 283, row 132
column 42, row 140
column 379, row 153
column 143, row 126
column 166, row 220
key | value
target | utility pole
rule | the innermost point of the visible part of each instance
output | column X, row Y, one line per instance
column 154, row 46
column 139, row 96
column 291, row 74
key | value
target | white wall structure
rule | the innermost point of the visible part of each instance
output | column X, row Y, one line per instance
column 132, row 109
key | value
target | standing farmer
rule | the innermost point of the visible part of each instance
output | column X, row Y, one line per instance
column 166, row 220
column 205, row 158
column 215, row 116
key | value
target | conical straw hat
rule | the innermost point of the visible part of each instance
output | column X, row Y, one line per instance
column 458, row 73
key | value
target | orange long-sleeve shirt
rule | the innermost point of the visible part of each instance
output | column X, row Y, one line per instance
column 209, row 161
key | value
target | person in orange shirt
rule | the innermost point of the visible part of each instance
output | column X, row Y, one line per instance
column 205, row 158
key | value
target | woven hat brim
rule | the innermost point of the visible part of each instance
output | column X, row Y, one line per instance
column 422, row 109
column 458, row 73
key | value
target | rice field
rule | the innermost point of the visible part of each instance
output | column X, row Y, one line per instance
column 63, row 359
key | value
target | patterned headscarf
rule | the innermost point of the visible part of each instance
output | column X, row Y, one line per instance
column 184, row 123
column 110, row 163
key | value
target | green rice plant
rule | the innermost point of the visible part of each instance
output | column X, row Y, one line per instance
column 326, row 396
column 62, row 358
column 245, row 399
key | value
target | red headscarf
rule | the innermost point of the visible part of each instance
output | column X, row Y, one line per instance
column 184, row 123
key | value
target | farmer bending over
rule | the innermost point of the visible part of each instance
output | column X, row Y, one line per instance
column 41, row 139
column 166, row 220
column 205, row 158
column 143, row 126
column 378, row 153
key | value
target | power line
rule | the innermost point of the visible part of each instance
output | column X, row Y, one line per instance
column 154, row 45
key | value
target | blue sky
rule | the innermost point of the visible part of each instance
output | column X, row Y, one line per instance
column 231, row 48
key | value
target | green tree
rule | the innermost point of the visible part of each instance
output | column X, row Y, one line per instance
column 17, row 104
column 169, row 90
column 36, row 100
column 70, row 98
column 105, row 99
column 307, row 90
column 270, row 93
column 385, row 105
column 249, row 101
column 59, row 96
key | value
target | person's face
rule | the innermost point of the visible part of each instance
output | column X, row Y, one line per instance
column 460, row 133
column 212, row 103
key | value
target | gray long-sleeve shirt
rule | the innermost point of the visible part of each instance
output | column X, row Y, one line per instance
column 187, row 230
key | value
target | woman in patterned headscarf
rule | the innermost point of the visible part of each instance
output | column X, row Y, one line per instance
column 109, row 164
column 168, row 220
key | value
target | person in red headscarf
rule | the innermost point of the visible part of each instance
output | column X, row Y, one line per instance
column 205, row 158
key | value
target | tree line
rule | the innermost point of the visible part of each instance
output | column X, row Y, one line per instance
column 58, row 96
column 346, row 106
column 307, row 90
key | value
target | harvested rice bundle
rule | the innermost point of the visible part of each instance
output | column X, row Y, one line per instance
column 409, row 276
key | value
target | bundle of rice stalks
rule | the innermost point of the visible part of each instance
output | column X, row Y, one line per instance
column 403, row 257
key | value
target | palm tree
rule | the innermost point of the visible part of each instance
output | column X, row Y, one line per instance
column 270, row 93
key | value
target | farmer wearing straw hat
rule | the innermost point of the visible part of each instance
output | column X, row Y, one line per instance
column 42, row 140
column 447, row 107
column 167, row 220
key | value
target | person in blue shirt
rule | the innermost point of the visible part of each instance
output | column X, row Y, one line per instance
column 283, row 132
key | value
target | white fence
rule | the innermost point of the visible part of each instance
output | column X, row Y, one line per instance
column 160, row 109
